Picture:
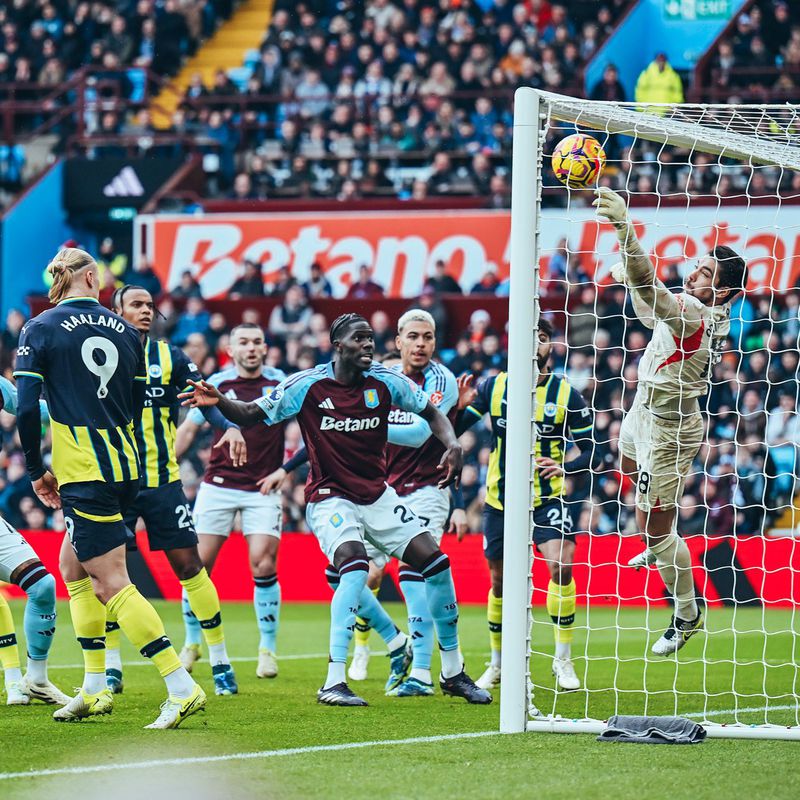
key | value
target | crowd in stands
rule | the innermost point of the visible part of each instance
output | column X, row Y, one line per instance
column 759, row 61
column 743, row 478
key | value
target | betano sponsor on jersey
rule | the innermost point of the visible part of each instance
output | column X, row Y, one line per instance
column 349, row 424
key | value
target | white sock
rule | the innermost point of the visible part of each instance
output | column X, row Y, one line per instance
column 179, row 683
column 94, row 682
column 674, row 563
column 495, row 662
column 362, row 649
column 399, row 641
column 37, row 671
column 452, row 662
column 113, row 658
column 420, row 674
column 335, row 674
column 217, row 654
column 563, row 649
column 13, row 675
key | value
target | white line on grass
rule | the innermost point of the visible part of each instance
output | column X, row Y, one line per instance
column 725, row 711
column 288, row 751
column 322, row 748
column 295, row 657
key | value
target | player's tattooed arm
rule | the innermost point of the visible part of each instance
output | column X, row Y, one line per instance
column 453, row 458
column 203, row 394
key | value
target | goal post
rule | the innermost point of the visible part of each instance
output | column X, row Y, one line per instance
column 684, row 166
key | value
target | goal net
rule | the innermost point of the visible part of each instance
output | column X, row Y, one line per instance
column 694, row 177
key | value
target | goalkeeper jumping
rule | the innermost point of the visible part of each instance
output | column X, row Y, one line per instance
column 662, row 433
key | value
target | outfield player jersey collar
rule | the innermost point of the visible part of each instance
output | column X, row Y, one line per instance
column 79, row 300
column 331, row 373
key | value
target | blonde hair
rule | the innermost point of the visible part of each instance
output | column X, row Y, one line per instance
column 415, row 315
column 64, row 267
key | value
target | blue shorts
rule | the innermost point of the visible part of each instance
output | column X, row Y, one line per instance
column 551, row 520
column 167, row 516
column 94, row 515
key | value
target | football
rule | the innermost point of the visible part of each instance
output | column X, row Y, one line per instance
column 578, row 161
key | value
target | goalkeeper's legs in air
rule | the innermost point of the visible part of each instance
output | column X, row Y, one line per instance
column 656, row 518
column 561, row 601
column 357, row 671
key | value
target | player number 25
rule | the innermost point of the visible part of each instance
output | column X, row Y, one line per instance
column 184, row 515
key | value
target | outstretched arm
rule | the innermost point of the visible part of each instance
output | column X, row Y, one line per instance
column 203, row 394
column 638, row 273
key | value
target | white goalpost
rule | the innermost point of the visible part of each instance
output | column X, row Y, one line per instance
column 695, row 176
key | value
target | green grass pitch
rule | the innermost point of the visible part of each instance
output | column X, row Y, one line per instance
column 282, row 714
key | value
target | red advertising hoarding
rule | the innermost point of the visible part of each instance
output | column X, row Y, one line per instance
column 749, row 570
column 402, row 247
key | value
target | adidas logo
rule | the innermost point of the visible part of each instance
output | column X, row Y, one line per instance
column 327, row 403
column 126, row 184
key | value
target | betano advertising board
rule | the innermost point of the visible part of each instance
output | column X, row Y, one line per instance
column 403, row 247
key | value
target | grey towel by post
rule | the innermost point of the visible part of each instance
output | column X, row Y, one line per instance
column 652, row 730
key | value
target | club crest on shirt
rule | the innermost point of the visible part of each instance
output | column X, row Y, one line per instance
column 371, row 398
column 155, row 371
column 336, row 520
column 436, row 398
column 550, row 409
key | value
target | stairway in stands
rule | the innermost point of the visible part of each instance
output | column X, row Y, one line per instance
column 226, row 50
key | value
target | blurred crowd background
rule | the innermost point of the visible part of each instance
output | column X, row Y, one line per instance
column 741, row 482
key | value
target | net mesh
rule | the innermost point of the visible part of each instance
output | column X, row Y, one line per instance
column 695, row 177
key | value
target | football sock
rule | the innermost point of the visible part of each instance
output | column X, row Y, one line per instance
column 89, row 621
column 144, row 629
column 420, row 624
column 204, row 602
column 363, row 627
column 113, row 638
column 9, row 650
column 267, row 602
column 494, row 616
column 37, row 670
column 193, row 633
column 442, row 603
column 352, row 580
column 561, row 608
column 40, row 611
column 372, row 615
column 674, row 563
column 335, row 674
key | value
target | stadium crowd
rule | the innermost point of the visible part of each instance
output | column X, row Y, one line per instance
column 759, row 62
column 743, row 478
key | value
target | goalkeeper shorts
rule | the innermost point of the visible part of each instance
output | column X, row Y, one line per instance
column 663, row 450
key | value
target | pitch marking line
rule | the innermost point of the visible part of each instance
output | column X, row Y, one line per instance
column 289, row 751
column 323, row 748
column 724, row 712
column 296, row 657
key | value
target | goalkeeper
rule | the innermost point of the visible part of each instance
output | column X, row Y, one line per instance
column 662, row 433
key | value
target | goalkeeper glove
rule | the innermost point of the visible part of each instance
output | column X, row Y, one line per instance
column 611, row 206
